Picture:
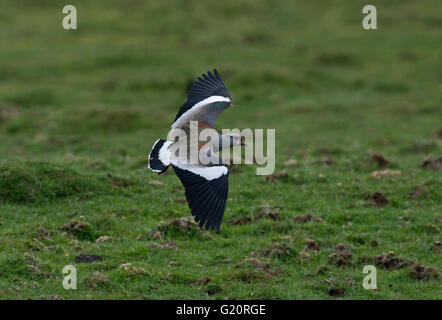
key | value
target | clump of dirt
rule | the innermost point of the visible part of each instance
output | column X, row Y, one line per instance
column 36, row 267
column 311, row 245
column 290, row 163
column 103, row 239
column 157, row 235
column 279, row 250
column 165, row 245
column 303, row 256
column 98, row 278
column 81, row 230
column 42, row 234
column 336, row 292
column 380, row 160
column 438, row 246
column 131, row 269
column 417, row 192
column 87, row 258
column 378, row 199
column 185, row 225
column 281, row 175
column 385, row 173
column 307, row 218
column 267, row 211
column 389, row 261
column 429, row 163
column 425, row 273
column 213, row 289
column 74, row 226
column 241, row 220
column 260, row 265
column 342, row 255
column 200, row 282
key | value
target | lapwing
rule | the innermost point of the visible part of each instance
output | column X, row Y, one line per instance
column 206, row 185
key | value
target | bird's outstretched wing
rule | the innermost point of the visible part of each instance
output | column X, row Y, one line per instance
column 206, row 190
column 207, row 89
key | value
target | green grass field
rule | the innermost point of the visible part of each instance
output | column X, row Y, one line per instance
column 80, row 110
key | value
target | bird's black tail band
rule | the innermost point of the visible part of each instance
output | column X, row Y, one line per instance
column 158, row 157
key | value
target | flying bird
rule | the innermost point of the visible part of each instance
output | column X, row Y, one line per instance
column 206, row 185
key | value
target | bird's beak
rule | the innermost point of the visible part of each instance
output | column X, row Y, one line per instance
column 231, row 105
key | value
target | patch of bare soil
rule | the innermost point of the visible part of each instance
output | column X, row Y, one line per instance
column 132, row 269
column 378, row 199
column 380, row 160
column 281, row 175
column 103, row 239
column 307, row 218
column 336, row 292
column 342, row 255
column 267, row 211
column 425, row 273
column 241, row 220
column 388, row 260
column 74, row 226
column 311, row 245
column 279, row 250
column 165, row 245
column 200, row 282
column 184, row 225
column 429, row 163
column 260, row 265
column 98, row 278
column 385, row 173
column 42, row 234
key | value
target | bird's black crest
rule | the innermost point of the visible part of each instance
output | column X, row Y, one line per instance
column 206, row 85
column 206, row 198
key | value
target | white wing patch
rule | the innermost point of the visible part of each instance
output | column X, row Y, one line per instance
column 194, row 110
column 208, row 173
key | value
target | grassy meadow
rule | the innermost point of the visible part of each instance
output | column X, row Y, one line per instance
column 358, row 124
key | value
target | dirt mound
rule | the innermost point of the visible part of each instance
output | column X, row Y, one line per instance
column 425, row 273
column 342, row 255
column 307, row 218
column 30, row 181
